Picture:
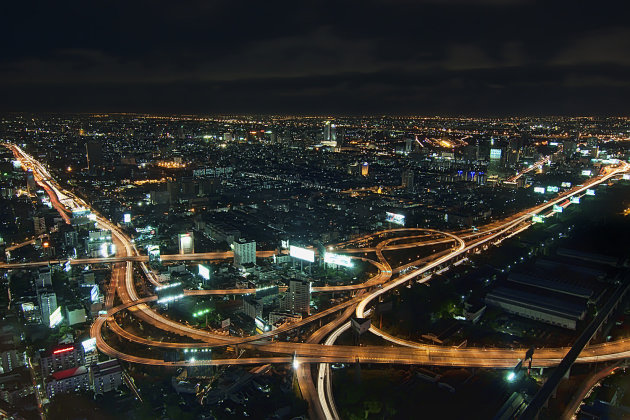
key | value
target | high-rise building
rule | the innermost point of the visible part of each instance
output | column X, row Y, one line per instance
column 298, row 297
column 408, row 146
column 407, row 179
column 94, row 153
column 330, row 134
column 244, row 252
column 39, row 225
column 47, row 305
column 365, row 169
column 186, row 243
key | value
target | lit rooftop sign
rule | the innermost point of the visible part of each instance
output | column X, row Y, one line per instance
column 302, row 253
column 398, row 219
column 337, row 259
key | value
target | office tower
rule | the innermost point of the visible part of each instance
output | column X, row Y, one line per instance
column 173, row 188
column 94, row 153
column 244, row 252
column 408, row 146
column 39, row 225
column 407, row 179
column 47, row 305
column 298, row 297
column 186, row 243
column 365, row 169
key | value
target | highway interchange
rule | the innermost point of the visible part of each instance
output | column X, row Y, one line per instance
column 458, row 245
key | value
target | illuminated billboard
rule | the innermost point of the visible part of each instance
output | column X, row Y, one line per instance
column 55, row 318
column 575, row 199
column 557, row 208
column 552, row 189
column 204, row 272
column 539, row 190
column 89, row 345
column 566, row 185
column 495, row 153
column 590, row 192
column 94, row 293
column 537, row 219
column 626, row 177
column 127, row 218
column 302, row 253
column 586, row 172
column 337, row 259
column 398, row 219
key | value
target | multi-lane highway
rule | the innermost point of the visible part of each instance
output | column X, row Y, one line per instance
column 405, row 352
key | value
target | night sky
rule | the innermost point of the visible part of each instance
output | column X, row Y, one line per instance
column 448, row 57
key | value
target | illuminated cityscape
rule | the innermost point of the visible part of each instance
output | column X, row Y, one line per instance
column 276, row 213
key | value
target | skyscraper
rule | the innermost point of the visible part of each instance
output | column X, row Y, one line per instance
column 298, row 297
column 365, row 169
column 407, row 179
column 94, row 154
column 244, row 252
column 47, row 305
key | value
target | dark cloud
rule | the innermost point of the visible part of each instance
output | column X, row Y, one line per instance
column 454, row 57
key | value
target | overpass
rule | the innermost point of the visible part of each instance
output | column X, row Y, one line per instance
column 563, row 369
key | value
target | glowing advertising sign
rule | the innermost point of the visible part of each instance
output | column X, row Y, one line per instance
column 92, row 217
column 89, row 345
column 55, row 318
column 67, row 267
column 626, row 177
column 575, row 200
column 495, row 153
column 590, row 192
column 284, row 244
column 302, row 253
column 587, row 172
column 260, row 325
column 204, row 272
column 398, row 219
column 539, row 190
column 127, row 218
column 337, row 259
column 566, row 185
column 538, row 219
column 552, row 189
column 94, row 294
column 557, row 208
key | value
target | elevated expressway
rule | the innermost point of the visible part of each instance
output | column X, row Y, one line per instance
column 405, row 352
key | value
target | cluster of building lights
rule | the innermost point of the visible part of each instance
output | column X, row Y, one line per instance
column 167, row 286
column 170, row 298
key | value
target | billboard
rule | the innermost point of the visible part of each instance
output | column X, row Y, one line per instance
column 575, row 199
column 586, row 172
column 566, row 185
column 89, row 345
column 337, row 259
column 302, row 253
column 56, row 317
column 225, row 323
column 557, row 208
column 539, row 190
column 626, row 177
column 94, row 293
column 204, row 271
column 127, row 218
column 537, row 219
column 398, row 219
column 590, row 192
column 495, row 153
column 552, row 189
